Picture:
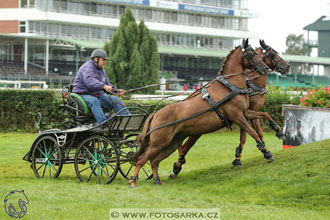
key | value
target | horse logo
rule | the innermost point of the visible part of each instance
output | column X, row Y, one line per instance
column 15, row 204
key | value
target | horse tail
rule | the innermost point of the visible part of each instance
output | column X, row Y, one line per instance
column 142, row 139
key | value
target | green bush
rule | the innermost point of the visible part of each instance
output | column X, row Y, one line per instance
column 275, row 98
column 319, row 97
column 18, row 107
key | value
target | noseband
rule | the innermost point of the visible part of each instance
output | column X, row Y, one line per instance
column 249, row 57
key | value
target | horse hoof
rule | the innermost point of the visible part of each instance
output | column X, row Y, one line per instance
column 157, row 181
column 280, row 135
column 172, row 176
column 132, row 184
column 269, row 156
column 237, row 163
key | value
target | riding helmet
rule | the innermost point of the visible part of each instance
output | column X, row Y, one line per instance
column 99, row 53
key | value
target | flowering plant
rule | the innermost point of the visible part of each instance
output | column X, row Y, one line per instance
column 317, row 98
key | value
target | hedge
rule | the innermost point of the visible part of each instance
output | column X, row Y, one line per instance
column 18, row 107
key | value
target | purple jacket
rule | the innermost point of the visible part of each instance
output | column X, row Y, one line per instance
column 90, row 80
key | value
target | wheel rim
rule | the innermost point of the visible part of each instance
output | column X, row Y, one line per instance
column 96, row 160
column 47, row 158
column 126, row 164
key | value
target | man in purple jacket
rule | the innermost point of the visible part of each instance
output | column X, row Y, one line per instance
column 91, row 82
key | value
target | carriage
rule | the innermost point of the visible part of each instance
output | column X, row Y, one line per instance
column 98, row 152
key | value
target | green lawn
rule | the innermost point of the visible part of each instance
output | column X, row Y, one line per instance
column 295, row 186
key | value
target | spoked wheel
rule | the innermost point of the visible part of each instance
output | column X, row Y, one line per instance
column 126, row 164
column 47, row 158
column 96, row 160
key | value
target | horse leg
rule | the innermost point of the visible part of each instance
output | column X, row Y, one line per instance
column 175, row 143
column 239, row 149
column 277, row 129
column 242, row 122
column 183, row 150
column 272, row 123
column 150, row 153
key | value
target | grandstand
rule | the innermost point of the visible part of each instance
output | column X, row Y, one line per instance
column 297, row 81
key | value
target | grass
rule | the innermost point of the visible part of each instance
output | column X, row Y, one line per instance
column 295, row 186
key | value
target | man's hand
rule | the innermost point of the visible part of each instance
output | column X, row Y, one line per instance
column 107, row 88
column 121, row 92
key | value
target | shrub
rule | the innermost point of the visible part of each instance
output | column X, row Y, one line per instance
column 18, row 107
column 319, row 97
column 275, row 98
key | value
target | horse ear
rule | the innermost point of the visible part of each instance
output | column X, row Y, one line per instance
column 246, row 43
column 243, row 42
column 262, row 44
column 265, row 44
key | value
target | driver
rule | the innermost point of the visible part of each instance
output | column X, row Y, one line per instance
column 91, row 81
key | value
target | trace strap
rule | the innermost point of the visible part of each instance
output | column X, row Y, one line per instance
column 214, row 106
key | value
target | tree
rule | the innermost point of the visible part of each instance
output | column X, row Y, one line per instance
column 295, row 45
column 134, row 59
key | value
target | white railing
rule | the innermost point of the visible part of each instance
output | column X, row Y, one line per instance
column 18, row 84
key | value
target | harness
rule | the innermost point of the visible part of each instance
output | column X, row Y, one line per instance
column 254, row 89
column 247, row 53
column 214, row 106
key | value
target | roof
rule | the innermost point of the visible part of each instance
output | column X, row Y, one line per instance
column 192, row 51
column 85, row 43
column 306, row 59
column 321, row 24
column 162, row 49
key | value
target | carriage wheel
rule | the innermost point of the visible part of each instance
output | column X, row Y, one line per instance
column 126, row 164
column 47, row 158
column 96, row 160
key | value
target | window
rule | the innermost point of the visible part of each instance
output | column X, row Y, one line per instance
column 64, row 5
column 84, row 32
column 174, row 17
column 191, row 19
column 93, row 8
column 87, row 8
column 5, row 52
column 121, row 10
column 149, row 14
column 22, row 26
column 198, row 19
column 215, row 22
column 167, row 17
column 141, row 13
column 23, row 3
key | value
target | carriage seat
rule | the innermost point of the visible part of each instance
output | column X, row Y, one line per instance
column 81, row 102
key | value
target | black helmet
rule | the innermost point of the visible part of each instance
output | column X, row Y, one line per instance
column 99, row 53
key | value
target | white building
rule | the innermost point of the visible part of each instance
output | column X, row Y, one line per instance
column 45, row 36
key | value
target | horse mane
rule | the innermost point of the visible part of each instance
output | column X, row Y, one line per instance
column 224, row 62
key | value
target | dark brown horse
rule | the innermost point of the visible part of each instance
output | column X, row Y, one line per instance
column 165, row 130
column 257, row 100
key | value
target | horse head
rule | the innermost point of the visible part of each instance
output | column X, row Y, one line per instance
column 273, row 59
column 251, row 60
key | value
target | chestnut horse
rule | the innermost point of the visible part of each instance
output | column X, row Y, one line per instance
column 257, row 100
column 165, row 130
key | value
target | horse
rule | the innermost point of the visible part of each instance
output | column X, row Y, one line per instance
column 225, row 100
column 257, row 100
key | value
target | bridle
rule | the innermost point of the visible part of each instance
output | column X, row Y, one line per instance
column 271, row 54
column 249, row 54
